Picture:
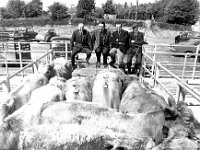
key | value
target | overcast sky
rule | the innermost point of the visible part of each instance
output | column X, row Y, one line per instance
column 47, row 3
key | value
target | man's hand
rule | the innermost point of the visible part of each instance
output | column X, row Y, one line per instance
column 132, row 41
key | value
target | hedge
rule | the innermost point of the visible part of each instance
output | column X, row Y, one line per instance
column 43, row 21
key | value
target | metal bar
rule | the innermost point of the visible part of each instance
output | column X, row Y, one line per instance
column 195, row 62
column 154, row 57
column 184, row 64
column 162, row 86
column 179, row 81
column 20, row 58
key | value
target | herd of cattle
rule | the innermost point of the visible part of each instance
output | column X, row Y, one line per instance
column 55, row 108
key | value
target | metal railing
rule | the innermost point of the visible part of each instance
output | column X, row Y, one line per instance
column 150, row 59
column 33, row 64
column 156, row 65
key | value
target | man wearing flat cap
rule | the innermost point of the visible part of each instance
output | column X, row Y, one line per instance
column 80, row 42
column 136, row 40
column 119, row 45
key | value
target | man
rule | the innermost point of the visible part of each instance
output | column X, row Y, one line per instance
column 101, row 40
column 119, row 45
column 136, row 40
column 80, row 42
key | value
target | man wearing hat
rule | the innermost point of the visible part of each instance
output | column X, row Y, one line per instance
column 119, row 45
column 80, row 42
column 136, row 40
column 101, row 40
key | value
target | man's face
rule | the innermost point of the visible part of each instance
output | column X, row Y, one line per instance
column 119, row 27
column 101, row 27
column 81, row 27
column 135, row 30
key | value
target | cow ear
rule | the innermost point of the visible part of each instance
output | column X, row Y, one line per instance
column 170, row 114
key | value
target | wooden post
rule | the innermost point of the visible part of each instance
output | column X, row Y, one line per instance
column 136, row 12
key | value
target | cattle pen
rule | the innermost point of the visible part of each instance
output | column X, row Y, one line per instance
column 177, row 77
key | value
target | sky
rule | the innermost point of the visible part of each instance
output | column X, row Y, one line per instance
column 68, row 3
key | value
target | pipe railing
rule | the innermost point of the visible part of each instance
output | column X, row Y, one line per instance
column 33, row 64
column 179, row 81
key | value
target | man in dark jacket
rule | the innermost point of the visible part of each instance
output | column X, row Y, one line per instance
column 80, row 42
column 119, row 45
column 136, row 40
column 101, row 40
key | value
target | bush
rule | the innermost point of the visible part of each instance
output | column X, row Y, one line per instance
column 175, row 27
column 42, row 21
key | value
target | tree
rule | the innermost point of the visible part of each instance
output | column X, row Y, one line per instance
column 158, row 9
column 4, row 13
column 15, row 8
column 33, row 9
column 85, row 8
column 58, row 11
column 109, row 7
column 184, row 12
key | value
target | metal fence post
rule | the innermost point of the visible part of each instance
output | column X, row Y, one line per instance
column 8, row 84
column 195, row 62
column 184, row 64
column 154, row 58
column 20, row 58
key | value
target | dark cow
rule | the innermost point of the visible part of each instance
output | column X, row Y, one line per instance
column 182, row 126
column 62, row 123
column 107, row 89
column 139, row 98
column 79, row 88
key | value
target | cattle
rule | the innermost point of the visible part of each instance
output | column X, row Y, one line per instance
column 63, row 68
column 107, row 89
column 181, row 126
column 47, row 70
column 61, row 123
column 22, row 94
column 179, row 138
column 59, row 82
column 47, row 93
column 78, row 88
column 59, row 67
column 139, row 98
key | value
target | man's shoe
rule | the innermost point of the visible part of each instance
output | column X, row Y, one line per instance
column 98, row 64
column 105, row 65
column 112, row 64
